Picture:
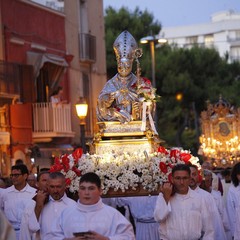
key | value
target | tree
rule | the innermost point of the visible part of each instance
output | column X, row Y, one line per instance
column 199, row 74
column 138, row 23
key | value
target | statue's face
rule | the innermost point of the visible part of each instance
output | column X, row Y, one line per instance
column 124, row 66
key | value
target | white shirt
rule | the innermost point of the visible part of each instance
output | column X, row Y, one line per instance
column 232, row 203
column 54, row 99
column 47, row 219
column 99, row 217
column 142, row 209
column 184, row 217
column 14, row 203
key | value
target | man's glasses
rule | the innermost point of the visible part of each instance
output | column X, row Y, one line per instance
column 181, row 178
column 15, row 175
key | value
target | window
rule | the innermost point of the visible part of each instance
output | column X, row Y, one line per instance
column 208, row 40
column 235, row 54
column 237, row 34
column 87, row 44
column 192, row 40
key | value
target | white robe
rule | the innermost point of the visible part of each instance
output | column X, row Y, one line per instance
column 14, row 203
column 237, row 224
column 232, row 203
column 48, row 217
column 185, row 217
column 99, row 218
column 142, row 209
column 225, row 191
column 222, row 212
column 212, row 207
column 6, row 230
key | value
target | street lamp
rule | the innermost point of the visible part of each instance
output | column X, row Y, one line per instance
column 82, row 108
column 152, row 41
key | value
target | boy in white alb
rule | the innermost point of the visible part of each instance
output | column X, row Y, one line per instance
column 92, row 219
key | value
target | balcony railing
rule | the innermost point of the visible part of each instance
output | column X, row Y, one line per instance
column 51, row 120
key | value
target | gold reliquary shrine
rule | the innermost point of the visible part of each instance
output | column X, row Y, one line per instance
column 220, row 134
column 118, row 138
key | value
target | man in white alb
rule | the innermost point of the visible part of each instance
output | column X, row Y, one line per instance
column 211, row 206
column 48, row 207
column 16, row 198
column 181, row 211
column 26, row 231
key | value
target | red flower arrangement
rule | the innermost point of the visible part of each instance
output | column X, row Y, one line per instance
column 173, row 157
column 68, row 165
column 149, row 170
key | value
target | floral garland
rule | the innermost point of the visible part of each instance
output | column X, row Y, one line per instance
column 123, row 171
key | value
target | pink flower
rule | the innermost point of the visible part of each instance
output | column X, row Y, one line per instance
column 163, row 167
column 68, row 181
column 147, row 81
column 56, row 168
column 162, row 150
column 77, row 171
column 77, row 153
column 174, row 153
column 185, row 157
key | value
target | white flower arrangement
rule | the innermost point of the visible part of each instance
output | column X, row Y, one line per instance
column 123, row 171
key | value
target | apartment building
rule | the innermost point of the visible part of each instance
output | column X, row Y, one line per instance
column 222, row 33
column 43, row 47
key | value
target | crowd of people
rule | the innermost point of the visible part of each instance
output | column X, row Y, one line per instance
column 189, row 207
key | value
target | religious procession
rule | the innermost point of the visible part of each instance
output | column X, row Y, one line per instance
column 125, row 182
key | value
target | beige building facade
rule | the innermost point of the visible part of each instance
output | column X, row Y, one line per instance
column 85, row 40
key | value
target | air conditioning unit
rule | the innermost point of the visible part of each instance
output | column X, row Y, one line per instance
column 87, row 47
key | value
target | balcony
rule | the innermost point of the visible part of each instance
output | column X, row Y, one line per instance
column 87, row 44
column 50, row 121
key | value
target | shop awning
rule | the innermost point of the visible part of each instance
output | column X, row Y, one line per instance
column 37, row 60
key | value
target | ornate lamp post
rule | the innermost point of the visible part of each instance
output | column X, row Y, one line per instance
column 82, row 108
column 152, row 41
